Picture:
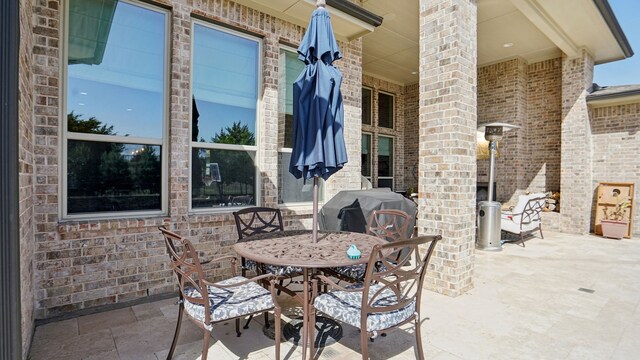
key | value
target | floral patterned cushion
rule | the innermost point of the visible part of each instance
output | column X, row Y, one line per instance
column 346, row 307
column 356, row 272
column 274, row 269
column 231, row 302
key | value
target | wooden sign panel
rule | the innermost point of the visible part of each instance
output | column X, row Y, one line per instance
column 609, row 194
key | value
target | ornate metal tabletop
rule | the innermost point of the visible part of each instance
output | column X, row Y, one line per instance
column 295, row 248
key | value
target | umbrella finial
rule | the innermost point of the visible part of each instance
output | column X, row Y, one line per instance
column 321, row 3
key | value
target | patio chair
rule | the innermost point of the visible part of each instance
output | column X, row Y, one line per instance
column 390, row 225
column 260, row 220
column 393, row 295
column 207, row 303
column 525, row 217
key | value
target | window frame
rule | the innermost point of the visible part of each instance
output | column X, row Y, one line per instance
column 65, row 136
column 393, row 111
column 211, row 146
column 300, row 204
column 370, row 89
column 392, row 168
column 370, row 177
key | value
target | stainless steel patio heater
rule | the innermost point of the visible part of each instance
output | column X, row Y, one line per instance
column 489, row 211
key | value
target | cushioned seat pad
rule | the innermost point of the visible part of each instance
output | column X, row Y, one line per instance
column 231, row 302
column 346, row 307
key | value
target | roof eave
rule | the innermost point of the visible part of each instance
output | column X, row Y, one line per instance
column 356, row 11
column 614, row 26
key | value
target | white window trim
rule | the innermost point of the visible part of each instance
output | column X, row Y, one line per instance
column 301, row 205
column 370, row 107
column 393, row 153
column 65, row 135
column 393, row 111
column 259, row 124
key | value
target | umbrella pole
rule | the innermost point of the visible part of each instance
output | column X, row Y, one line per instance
column 314, row 229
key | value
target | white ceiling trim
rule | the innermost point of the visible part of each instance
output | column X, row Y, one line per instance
column 536, row 14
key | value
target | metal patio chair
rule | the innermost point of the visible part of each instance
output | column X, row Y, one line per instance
column 525, row 217
column 391, row 225
column 393, row 295
column 207, row 303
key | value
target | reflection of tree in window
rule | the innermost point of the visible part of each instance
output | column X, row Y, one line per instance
column 236, row 167
column 104, row 176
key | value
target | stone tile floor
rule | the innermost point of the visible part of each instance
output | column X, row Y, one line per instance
column 526, row 304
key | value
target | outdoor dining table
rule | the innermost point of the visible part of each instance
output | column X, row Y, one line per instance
column 295, row 248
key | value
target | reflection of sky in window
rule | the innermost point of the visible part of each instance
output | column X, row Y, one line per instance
column 225, row 80
column 293, row 69
column 126, row 89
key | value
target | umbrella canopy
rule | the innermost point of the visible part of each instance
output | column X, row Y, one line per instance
column 318, row 116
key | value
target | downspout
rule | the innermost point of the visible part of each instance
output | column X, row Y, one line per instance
column 10, row 315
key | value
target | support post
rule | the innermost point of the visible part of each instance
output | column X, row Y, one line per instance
column 10, row 326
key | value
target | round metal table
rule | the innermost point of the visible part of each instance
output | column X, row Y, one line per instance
column 296, row 248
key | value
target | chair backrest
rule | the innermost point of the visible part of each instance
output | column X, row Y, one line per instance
column 186, row 265
column 523, row 200
column 402, row 278
column 257, row 220
column 532, row 210
column 391, row 225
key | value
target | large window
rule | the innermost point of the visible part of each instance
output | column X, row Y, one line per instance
column 115, row 90
column 385, row 110
column 385, row 162
column 290, row 189
column 225, row 88
column 367, row 106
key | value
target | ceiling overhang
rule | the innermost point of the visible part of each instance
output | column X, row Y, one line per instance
column 349, row 21
column 573, row 25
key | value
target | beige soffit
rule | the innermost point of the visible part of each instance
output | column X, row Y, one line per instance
column 346, row 27
column 573, row 25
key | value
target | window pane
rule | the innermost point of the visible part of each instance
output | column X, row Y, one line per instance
column 290, row 189
column 366, row 106
column 385, row 183
column 225, row 87
column 105, row 176
column 385, row 110
column 222, row 178
column 115, row 68
column 290, row 69
column 366, row 155
column 385, row 156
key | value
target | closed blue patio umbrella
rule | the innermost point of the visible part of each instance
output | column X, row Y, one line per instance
column 318, row 115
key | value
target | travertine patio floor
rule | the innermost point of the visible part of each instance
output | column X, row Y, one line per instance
column 525, row 305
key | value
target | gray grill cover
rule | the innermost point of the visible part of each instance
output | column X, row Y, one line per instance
column 370, row 199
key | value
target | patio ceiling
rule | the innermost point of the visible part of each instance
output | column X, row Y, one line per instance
column 532, row 29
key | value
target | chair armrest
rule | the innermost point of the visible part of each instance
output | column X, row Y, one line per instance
column 333, row 284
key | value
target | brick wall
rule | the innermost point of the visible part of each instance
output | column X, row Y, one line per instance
column 411, row 136
column 576, row 150
column 528, row 95
column 502, row 97
column 80, row 264
column 398, row 91
column 544, row 113
column 616, row 146
column 26, row 166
